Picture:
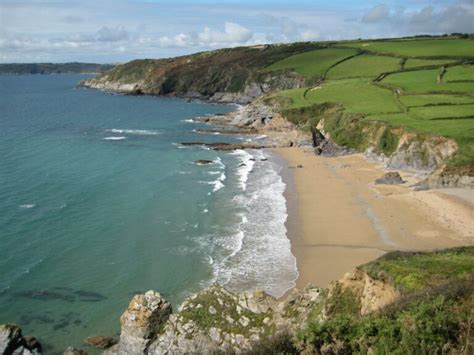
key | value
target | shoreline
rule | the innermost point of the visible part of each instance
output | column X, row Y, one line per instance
column 338, row 218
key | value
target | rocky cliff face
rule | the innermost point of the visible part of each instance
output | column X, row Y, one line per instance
column 229, row 76
column 216, row 320
column 213, row 320
column 423, row 154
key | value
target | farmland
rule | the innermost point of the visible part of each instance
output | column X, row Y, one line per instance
column 425, row 86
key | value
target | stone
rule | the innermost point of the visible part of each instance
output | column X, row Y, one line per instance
column 101, row 342
column 212, row 310
column 215, row 335
column 32, row 344
column 144, row 315
column 12, row 341
column 390, row 178
column 10, row 338
column 244, row 321
column 74, row 351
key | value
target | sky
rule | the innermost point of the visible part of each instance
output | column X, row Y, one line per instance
column 112, row 31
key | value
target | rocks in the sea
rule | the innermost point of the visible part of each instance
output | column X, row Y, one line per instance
column 65, row 294
column 74, row 351
column 390, row 178
column 90, row 296
column 101, row 342
column 225, row 146
column 12, row 341
column 203, row 162
column 145, row 314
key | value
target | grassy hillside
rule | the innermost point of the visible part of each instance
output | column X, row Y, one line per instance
column 433, row 314
column 422, row 85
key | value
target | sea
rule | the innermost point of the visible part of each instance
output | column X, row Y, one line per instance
column 99, row 201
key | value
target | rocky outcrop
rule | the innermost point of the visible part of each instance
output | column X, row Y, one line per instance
column 141, row 322
column 213, row 320
column 422, row 153
column 372, row 294
column 449, row 177
column 12, row 341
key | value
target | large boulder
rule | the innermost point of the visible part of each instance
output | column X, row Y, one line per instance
column 12, row 341
column 101, row 342
column 144, row 316
column 390, row 178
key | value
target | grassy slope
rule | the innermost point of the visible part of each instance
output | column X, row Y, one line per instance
column 313, row 63
column 349, row 83
column 364, row 66
column 433, row 315
column 415, row 48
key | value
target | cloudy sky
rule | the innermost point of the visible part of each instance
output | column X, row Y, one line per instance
column 120, row 30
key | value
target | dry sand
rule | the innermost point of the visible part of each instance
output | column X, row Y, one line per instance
column 341, row 219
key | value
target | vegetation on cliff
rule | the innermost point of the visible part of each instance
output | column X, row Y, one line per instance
column 432, row 312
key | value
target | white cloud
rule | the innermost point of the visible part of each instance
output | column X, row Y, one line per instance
column 233, row 34
column 119, row 30
column 376, row 14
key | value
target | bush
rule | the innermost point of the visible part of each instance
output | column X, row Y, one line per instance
column 388, row 142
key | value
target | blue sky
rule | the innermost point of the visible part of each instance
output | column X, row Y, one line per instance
column 121, row 30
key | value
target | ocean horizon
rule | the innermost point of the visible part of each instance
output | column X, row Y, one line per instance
column 99, row 201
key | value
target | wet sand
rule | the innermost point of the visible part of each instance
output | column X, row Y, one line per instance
column 338, row 217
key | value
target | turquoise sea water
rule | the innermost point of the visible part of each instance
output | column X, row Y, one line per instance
column 98, row 201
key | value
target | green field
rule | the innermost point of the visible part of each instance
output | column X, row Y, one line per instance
column 357, row 96
column 444, row 48
column 439, row 112
column 364, row 66
column 406, row 97
column 415, row 63
column 434, row 99
column 459, row 74
column 313, row 63
column 425, row 81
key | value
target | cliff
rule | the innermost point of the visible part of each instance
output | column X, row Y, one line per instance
column 402, row 302
column 226, row 75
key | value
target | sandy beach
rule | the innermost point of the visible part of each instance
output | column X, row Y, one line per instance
column 340, row 218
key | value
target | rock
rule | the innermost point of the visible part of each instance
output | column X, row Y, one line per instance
column 390, row 178
column 299, row 166
column 225, row 146
column 74, row 351
column 31, row 343
column 244, row 321
column 101, row 342
column 203, row 162
column 144, row 315
column 12, row 341
column 212, row 310
column 10, row 338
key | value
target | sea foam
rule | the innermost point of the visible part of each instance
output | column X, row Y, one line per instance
column 138, row 132
column 259, row 251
